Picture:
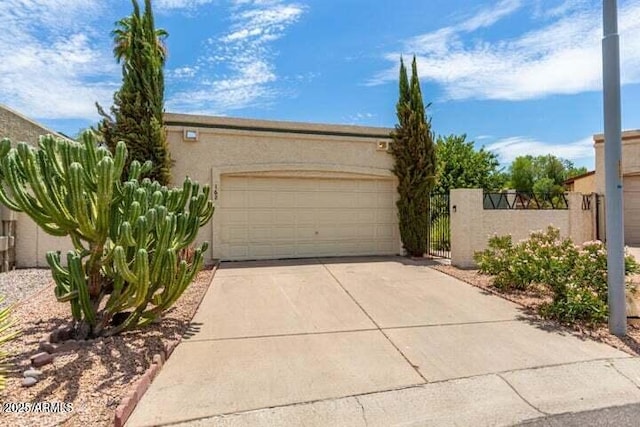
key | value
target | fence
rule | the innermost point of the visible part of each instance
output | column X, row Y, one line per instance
column 524, row 200
column 7, row 239
column 439, row 226
column 475, row 216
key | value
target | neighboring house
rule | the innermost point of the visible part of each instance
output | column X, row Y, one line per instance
column 289, row 190
column 584, row 183
column 31, row 243
column 631, row 180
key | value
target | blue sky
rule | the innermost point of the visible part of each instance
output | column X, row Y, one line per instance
column 516, row 76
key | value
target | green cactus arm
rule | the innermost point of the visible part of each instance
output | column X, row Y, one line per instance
column 51, row 149
column 40, row 190
column 16, row 182
column 119, row 159
column 122, row 268
column 55, row 189
column 105, row 178
column 141, row 267
column 79, row 283
column 79, row 202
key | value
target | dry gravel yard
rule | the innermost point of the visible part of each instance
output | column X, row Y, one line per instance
column 93, row 378
column 531, row 300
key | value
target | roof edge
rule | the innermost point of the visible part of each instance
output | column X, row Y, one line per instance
column 230, row 123
column 598, row 138
column 33, row 122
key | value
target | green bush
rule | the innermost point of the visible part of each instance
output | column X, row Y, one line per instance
column 7, row 333
column 576, row 276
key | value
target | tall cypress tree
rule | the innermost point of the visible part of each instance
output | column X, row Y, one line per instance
column 414, row 163
column 136, row 116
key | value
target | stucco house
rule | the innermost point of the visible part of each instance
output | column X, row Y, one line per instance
column 281, row 189
column 631, row 180
column 584, row 183
column 289, row 190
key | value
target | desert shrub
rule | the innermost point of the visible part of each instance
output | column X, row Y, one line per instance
column 576, row 276
column 496, row 257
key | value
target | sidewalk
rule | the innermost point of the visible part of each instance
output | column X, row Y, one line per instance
column 373, row 341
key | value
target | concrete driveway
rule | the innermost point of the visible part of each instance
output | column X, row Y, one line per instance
column 373, row 341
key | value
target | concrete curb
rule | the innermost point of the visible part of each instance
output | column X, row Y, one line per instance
column 131, row 400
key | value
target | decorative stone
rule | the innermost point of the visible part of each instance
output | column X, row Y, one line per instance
column 47, row 346
column 41, row 359
column 29, row 381
column 33, row 373
column 68, row 345
column 62, row 333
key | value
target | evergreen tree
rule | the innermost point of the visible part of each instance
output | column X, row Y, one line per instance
column 415, row 163
column 136, row 116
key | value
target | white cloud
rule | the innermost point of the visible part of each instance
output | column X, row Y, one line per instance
column 508, row 149
column 246, row 56
column 52, row 65
column 561, row 55
column 169, row 5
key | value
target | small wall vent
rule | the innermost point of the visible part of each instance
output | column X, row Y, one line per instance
column 190, row 135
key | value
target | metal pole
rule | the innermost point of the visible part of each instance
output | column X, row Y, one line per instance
column 613, row 169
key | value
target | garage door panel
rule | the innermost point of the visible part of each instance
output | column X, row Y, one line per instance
column 338, row 216
column 266, row 217
column 386, row 186
column 367, row 200
column 233, row 216
column 284, row 217
column 632, row 209
column 386, row 216
column 368, row 186
column 260, row 199
column 261, row 216
column 234, row 199
column 285, row 199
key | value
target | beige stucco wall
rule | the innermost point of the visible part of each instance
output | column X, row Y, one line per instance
column 284, row 149
column 31, row 243
column 630, row 157
column 585, row 184
column 472, row 225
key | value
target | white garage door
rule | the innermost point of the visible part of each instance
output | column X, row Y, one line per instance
column 270, row 218
column 632, row 209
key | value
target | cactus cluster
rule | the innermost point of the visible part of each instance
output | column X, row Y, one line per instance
column 128, row 234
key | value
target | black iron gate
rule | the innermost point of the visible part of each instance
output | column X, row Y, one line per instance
column 439, row 226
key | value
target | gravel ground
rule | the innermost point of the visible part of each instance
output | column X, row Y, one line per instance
column 95, row 377
column 16, row 285
column 531, row 300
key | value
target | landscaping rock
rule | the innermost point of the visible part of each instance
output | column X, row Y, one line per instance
column 68, row 345
column 32, row 373
column 29, row 381
column 47, row 346
column 41, row 359
column 62, row 333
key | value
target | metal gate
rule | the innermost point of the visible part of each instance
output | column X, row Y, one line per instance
column 439, row 226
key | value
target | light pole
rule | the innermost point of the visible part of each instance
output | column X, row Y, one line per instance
column 613, row 168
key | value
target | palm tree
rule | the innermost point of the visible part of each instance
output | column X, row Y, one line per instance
column 123, row 35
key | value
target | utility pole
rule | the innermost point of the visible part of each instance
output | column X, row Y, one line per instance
column 613, row 169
